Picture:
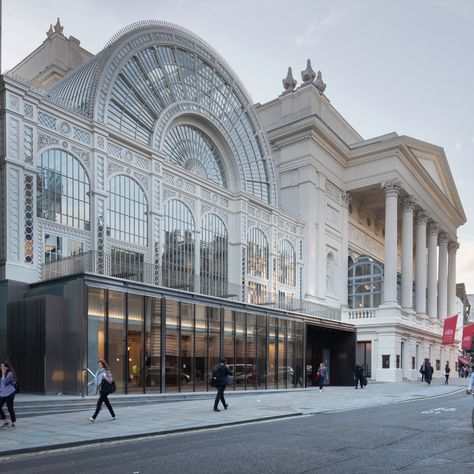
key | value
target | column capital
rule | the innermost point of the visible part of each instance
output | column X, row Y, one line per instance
column 433, row 228
column 453, row 246
column 346, row 198
column 408, row 203
column 422, row 218
column 392, row 188
column 443, row 239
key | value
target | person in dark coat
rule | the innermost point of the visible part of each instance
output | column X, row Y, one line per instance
column 447, row 370
column 220, row 373
column 428, row 373
column 422, row 371
column 359, row 376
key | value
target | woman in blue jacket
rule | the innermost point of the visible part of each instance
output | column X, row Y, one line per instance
column 7, row 393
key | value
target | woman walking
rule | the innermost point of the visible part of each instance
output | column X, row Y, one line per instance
column 7, row 394
column 102, row 380
column 322, row 375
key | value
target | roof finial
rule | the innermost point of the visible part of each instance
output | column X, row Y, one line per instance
column 289, row 83
column 58, row 28
column 50, row 32
column 308, row 74
column 319, row 84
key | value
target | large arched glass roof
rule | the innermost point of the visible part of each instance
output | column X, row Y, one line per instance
column 152, row 72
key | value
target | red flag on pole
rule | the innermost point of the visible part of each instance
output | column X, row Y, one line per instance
column 467, row 336
column 449, row 331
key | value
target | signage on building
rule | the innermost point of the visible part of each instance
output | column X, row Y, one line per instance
column 467, row 333
column 449, row 331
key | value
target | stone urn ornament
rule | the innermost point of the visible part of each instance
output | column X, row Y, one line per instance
column 289, row 82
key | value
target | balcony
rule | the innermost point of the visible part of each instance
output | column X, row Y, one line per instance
column 104, row 264
column 362, row 314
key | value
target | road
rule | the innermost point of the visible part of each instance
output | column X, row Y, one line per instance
column 427, row 436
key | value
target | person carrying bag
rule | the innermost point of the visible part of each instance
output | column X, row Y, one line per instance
column 105, row 385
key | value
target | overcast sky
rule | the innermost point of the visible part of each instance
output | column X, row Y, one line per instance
column 404, row 66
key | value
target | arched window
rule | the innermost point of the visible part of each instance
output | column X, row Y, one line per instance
column 192, row 150
column 128, row 211
column 365, row 283
column 257, row 263
column 330, row 263
column 63, row 190
column 214, row 256
column 178, row 246
column 286, row 263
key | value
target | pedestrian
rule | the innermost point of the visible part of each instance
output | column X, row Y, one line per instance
column 447, row 370
column 321, row 375
column 359, row 376
column 219, row 374
column 103, row 382
column 422, row 371
column 428, row 372
column 7, row 393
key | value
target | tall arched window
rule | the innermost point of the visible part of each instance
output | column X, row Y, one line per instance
column 128, row 211
column 63, row 190
column 214, row 256
column 257, row 263
column 178, row 246
column 286, row 263
column 365, row 283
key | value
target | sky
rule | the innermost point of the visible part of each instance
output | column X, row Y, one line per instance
column 403, row 66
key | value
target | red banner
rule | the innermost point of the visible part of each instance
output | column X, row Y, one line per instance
column 467, row 336
column 449, row 331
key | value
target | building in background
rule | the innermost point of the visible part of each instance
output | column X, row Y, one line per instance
column 154, row 216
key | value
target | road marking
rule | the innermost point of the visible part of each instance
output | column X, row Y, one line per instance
column 437, row 411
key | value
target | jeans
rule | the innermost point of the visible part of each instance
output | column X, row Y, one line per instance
column 359, row 379
column 220, row 396
column 103, row 398
column 321, row 382
column 9, row 401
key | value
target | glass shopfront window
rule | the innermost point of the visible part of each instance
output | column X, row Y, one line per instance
column 251, row 351
column 153, row 345
column 187, row 347
column 172, row 346
column 117, row 338
column 135, row 342
column 229, row 337
column 200, row 349
column 282, row 361
column 272, row 363
column 261, row 352
column 240, row 369
column 214, row 345
column 290, row 351
column 299, row 374
column 95, row 328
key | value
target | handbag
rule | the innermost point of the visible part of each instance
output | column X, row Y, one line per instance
column 107, row 387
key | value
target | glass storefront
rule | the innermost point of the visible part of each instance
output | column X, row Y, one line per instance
column 163, row 345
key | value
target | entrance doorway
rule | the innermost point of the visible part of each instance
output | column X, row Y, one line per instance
column 364, row 356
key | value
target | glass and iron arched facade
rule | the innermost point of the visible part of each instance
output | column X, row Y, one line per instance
column 365, row 281
column 257, row 259
column 63, row 192
column 214, row 256
column 286, row 263
column 128, row 211
column 178, row 256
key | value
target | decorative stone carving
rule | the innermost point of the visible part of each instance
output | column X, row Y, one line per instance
column 83, row 155
column 46, row 140
column 408, row 203
column 142, row 179
column 58, row 28
column 141, row 162
column 433, row 228
column 64, row 128
column 319, row 84
column 100, row 236
column 168, row 193
column 13, row 214
column 46, row 120
column 14, row 102
column 100, row 161
column 100, row 142
column 113, row 167
column 346, row 198
column 453, row 246
column 308, row 75
column 28, row 218
column 443, row 239
column 289, row 82
column 392, row 188
column 156, row 249
column 28, row 110
column 13, row 137
column 28, row 144
column 82, row 136
column 422, row 218
column 156, row 193
column 366, row 243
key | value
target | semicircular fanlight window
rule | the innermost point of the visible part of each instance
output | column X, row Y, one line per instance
column 192, row 150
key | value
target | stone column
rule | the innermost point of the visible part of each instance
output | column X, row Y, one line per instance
column 346, row 199
column 408, row 204
column 443, row 277
column 452, row 249
column 392, row 189
column 420, row 286
column 432, row 270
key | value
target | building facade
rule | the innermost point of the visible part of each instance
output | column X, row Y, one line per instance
column 177, row 222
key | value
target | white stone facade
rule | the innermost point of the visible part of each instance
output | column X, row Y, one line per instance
column 334, row 196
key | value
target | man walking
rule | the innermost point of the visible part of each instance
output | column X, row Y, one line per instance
column 423, row 371
column 219, row 380
column 446, row 373
column 428, row 372
column 359, row 376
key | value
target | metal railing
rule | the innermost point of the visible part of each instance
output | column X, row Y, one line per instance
column 105, row 264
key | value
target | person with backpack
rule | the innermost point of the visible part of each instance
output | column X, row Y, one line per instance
column 219, row 380
column 7, row 393
column 321, row 375
column 105, row 385
column 359, row 376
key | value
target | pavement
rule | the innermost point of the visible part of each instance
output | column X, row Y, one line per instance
column 151, row 417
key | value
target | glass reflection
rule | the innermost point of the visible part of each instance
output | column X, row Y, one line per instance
column 229, row 348
column 286, row 263
column 241, row 371
column 261, row 352
column 365, row 283
column 187, row 347
column 128, row 211
column 283, row 368
column 116, row 338
column 214, row 343
column 200, row 351
column 63, row 190
column 257, row 264
column 95, row 327
column 135, row 343
column 172, row 347
column 153, row 345
column 251, row 351
column 272, row 362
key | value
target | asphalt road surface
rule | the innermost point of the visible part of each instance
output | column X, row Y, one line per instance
column 427, row 436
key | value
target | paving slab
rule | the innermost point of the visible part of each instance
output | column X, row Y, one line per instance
column 53, row 431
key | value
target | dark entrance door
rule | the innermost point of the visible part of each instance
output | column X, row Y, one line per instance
column 335, row 348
